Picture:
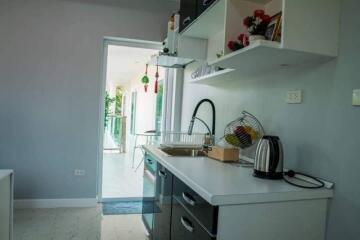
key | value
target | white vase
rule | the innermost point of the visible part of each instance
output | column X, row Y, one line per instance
column 253, row 38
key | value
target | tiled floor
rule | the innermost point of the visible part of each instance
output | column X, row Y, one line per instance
column 76, row 224
column 120, row 180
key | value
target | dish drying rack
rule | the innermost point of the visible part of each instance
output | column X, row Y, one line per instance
column 182, row 139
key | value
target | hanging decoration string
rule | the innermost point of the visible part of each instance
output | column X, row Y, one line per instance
column 157, row 76
column 145, row 80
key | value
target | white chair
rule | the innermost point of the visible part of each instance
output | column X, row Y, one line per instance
column 148, row 138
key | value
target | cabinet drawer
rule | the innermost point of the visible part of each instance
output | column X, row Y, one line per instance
column 188, row 13
column 199, row 208
column 184, row 226
column 150, row 164
column 202, row 5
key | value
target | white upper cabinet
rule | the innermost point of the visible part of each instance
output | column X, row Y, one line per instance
column 309, row 34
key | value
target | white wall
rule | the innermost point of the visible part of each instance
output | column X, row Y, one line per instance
column 320, row 136
column 50, row 81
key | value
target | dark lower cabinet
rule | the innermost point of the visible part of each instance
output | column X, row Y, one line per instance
column 199, row 207
column 163, row 202
column 184, row 226
column 149, row 193
column 176, row 211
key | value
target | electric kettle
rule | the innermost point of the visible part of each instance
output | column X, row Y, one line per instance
column 269, row 158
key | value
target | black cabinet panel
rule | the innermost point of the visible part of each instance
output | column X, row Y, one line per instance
column 188, row 13
column 201, row 209
column 149, row 193
column 202, row 5
column 163, row 201
column 185, row 227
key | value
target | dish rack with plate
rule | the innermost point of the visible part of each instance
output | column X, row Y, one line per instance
column 182, row 139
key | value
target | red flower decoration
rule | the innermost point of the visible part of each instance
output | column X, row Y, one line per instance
column 246, row 41
column 247, row 21
column 259, row 13
column 241, row 37
column 266, row 18
column 231, row 45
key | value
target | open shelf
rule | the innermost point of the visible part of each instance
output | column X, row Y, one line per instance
column 258, row 59
column 299, row 44
column 255, row 51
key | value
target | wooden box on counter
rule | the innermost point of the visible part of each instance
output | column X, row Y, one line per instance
column 224, row 154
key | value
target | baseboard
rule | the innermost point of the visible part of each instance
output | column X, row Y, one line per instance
column 55, row 203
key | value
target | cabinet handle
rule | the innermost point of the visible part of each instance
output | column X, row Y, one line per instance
column 162, row 174
column 188, row 198
column 186, row 20
column 206, row 2
column 187, row 224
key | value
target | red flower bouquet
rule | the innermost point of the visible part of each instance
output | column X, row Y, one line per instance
column 257, row 23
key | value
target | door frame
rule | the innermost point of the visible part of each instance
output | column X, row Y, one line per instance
column 106, row 42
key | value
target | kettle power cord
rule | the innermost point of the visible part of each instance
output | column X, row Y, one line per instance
column 292, row 174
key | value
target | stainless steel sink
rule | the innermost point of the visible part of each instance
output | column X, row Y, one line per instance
column 183, row 152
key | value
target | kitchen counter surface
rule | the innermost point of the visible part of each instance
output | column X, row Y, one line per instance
column 229, row 184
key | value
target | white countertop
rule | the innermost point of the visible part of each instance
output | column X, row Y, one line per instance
column 5, row 173
column 227, row 184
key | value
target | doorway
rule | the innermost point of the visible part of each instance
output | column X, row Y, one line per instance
column 128, row 110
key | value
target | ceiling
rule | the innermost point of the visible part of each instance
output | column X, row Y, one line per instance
column 125, row 63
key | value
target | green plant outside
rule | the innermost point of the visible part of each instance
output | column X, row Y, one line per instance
column 108, row 101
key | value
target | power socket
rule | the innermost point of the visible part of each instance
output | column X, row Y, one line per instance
column 79, row 172
column 356, row 97
column 294, row 97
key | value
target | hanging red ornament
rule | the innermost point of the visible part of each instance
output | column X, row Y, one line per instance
column 156, row 86
column 156, row 79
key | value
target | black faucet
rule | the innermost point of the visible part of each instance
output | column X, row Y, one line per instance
column 191, row 126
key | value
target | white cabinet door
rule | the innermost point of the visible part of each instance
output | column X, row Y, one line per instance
column 5, row 208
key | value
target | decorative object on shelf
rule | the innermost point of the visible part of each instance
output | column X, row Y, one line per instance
column 235, row 45
column 257, row 25
column 145, row 79
column 220, row 54
column 156, row 79
column 172, row 22
column 273, row 31
column 205, row 70
column 244, row 39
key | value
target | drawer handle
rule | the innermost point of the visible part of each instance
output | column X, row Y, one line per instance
column 162, row 174
column 187, row 224
column 206, row 2
column 188, row 198
column 186, row 20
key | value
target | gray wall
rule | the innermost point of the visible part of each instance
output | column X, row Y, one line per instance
column 320, row 136
column 50, row 79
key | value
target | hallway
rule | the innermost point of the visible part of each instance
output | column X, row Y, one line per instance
column 120, row 180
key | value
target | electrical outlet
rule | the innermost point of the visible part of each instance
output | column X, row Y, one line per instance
column 79, row 172
column 356, row 97
column 294, row 97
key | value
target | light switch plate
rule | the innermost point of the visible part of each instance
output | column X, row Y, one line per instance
column 356, row 97
column 294, row 97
